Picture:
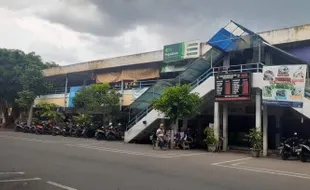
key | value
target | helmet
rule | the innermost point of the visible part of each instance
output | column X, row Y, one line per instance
column 110, row 124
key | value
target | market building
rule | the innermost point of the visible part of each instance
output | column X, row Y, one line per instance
column 246, row 79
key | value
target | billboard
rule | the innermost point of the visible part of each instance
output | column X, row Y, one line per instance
column 233, row 87
column 180, row 51
column 284, row 85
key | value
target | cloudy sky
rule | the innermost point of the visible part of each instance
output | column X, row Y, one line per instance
column 72, row 31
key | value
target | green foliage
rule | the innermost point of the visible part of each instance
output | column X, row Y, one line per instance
column 21, row 77
column 256, row 139
column 99, row 98
column 177, row 102
column 48, row 110
column 209, row 136
column 83, row 119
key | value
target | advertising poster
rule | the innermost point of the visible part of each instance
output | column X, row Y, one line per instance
column 284, row 85
column 181, row 51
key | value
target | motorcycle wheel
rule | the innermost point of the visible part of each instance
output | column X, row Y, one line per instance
column 54, row 133
column 284, row 155
column 98, row 137
column 15, row 129
column 37, row 132
column 302, row 157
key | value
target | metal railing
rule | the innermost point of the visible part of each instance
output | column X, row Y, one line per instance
column 118, row 86
column 58, row 90
column 249, row 67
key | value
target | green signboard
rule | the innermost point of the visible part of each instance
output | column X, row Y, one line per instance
column 173, row 52
column 180, row 51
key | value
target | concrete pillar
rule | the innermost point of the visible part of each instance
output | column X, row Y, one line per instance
column 265, row 131
column 216, row 120
column 84, row 82
column 185, row 122
column 225, row 127
column 66, row 91
column 258, row 113
column 278, row 127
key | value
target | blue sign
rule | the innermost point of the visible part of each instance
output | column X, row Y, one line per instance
column 72, row 93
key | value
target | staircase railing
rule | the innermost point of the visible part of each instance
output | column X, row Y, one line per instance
column 249, row 67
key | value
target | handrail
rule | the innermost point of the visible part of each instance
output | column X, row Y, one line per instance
column 138, row 84
column 258, row 67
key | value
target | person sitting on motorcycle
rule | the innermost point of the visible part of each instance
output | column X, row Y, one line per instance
column 160, row 133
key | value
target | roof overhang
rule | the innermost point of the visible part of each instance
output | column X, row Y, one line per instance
column 274, row 37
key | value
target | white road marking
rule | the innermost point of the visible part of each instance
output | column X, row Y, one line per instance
column 228, row 161
column 28, row 139
column 120, row 151
column 20, row 180
column 136, row 153
column 60, row 186
column 12, row 173
column 238, row 163
column 273, row 172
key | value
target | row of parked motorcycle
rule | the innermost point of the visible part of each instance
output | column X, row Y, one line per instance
column 295, row 147
column 108, row 132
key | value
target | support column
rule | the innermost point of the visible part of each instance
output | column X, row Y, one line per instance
column 278, row 127
column 265, row 131
column 258, row 113
column 185, row 122
column 216, row 120
column 84, row 82
column 66, row 91
column 225, row 127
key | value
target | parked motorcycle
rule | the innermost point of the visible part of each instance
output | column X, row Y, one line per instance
column 290, row 147
column 76, row 131
column 65, row 131
column 19, row 127
column 304, row 151
column 101, row 133
column 56, row 130
column 26, row 128
column 114, row 133
column 44, row 128
column 89, row 131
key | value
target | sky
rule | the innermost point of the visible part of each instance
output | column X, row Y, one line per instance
column 73, row 31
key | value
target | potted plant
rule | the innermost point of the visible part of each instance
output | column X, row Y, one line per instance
column 210, row 139
column 256, row 140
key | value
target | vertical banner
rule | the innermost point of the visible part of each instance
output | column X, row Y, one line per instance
column 72, row 93
column 284, row 85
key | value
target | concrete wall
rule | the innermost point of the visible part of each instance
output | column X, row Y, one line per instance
column 148, row 57
column 128, row 96
column 58, row 99
column 287, row 35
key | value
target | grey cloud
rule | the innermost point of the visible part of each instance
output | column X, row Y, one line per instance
column 176, row 16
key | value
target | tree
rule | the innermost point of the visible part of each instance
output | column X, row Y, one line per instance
column 21, row 81
column 99, row 98
column 83, row 119
column 48, row 111
column 177, row 102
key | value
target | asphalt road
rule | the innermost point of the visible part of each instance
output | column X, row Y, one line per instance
column 32, row 162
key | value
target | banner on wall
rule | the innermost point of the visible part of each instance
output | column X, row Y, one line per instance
column 284, row 85
column 180, row 51
column 73, row 91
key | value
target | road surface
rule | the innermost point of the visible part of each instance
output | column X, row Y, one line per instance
column 41, row 162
